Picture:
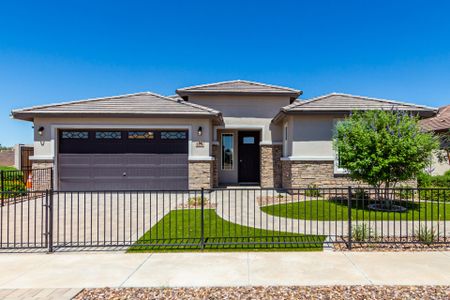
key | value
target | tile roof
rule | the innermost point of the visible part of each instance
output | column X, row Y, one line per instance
column 239, row 86
column 145, row 103
column 439, row 122
column 346, row 102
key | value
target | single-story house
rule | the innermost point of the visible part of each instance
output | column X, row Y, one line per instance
column 440, row 125
column 225, row 133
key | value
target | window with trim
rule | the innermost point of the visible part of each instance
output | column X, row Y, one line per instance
column 75, row 135
column 141, row 135
column 108, row 135
column 337, row 164
column 173, row 135
column 285, row 140
column 227, row 151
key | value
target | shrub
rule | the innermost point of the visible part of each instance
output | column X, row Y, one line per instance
column 404, row 192
column 438, row 194
column 14, row 186
column 197, row 201
column 312, row 191
column 361, row 232
column 360, row 194
column 426, row 235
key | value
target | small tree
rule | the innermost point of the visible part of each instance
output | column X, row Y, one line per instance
column 383, row 148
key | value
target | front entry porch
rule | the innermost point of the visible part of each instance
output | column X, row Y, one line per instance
column 238, row 157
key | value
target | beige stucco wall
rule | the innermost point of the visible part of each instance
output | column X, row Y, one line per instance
column 44, row 146
column 248, row 111
column 312, row 136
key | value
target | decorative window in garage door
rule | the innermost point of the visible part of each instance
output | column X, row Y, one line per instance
column 74, row 135
column 141, row 135
column 108, row 135
column 173, row 135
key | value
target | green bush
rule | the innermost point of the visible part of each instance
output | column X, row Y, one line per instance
column 426, row 235
column 425, row 180
column 14, row 186
column 312, row 191
column 404, row 192
column 361, row 232
column 439, row 194
column 197, row 201
column 360, row 194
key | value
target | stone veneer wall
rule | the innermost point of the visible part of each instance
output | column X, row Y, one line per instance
column 271, row 166
column 42, row 175
column 301, row 174
column 201, row 174
column 216, row 155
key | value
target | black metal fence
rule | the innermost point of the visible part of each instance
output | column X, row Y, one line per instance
column 226, row 219
column 16, row 180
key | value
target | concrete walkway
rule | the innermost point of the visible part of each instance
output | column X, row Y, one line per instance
column 72, row 271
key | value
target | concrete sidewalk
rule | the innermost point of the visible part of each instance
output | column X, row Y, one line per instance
column 84, row 270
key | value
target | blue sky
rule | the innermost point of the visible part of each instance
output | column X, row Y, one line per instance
column 68, row 50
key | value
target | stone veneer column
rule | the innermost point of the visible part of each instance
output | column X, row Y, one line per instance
column 271, row 166
column 216, row 155
column 286, row 174
column 200, row 174
column 42, row 175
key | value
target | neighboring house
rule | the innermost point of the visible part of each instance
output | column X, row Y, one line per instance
column 440, row 124
column 226, row 133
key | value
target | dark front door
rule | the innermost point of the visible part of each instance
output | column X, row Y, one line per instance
column 248, row 155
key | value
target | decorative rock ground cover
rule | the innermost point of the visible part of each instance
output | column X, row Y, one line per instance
column 317, row 292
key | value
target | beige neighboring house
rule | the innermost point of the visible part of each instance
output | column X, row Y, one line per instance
column 226, row 133
column 439, row 124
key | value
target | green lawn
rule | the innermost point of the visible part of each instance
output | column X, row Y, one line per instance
column 183, row 226
column 336, row 210
column 5, row 168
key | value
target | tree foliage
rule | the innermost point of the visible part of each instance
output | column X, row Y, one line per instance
column 383, row 147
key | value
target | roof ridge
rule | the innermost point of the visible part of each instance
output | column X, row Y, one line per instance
column 240, row 80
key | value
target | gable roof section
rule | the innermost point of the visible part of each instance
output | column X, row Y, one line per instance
column 239, row 87
column 342, row 103
column 139, row 104
column 440, row 122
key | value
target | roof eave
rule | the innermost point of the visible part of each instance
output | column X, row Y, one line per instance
column 29, row 116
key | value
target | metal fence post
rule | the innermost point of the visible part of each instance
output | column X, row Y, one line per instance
column 2, row 183
column 50, row 220
column 202, row 222
column 51, row 179
column 349, row 207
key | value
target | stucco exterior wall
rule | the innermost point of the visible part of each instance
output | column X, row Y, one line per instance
column 312, row 136
column 45, row 145
column 247, row 112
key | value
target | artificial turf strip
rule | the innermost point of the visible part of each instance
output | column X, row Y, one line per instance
column 324, row 210
column 180, row 230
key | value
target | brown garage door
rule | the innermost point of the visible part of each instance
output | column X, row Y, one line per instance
column 123, row 160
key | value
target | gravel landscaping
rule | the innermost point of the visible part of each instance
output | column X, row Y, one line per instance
column 396, row 245
column 317, row 292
